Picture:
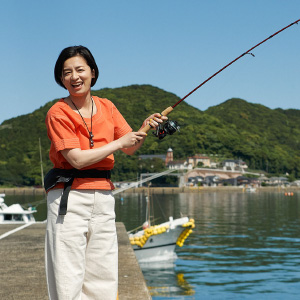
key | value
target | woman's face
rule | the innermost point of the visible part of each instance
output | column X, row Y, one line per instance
column 77, row 76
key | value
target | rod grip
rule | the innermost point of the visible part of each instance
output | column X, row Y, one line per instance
column 164, row 113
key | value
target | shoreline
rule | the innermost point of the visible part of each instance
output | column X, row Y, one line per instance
column 221, row 189
column 30, row 191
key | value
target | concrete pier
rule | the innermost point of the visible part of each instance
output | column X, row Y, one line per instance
column 22, row 274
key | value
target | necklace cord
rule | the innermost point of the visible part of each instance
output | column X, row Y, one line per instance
column 90, row 132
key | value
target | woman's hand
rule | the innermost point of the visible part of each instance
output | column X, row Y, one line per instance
column 154, row 120
column 131, row 139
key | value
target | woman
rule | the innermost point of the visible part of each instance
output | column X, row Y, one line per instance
column 85, row 131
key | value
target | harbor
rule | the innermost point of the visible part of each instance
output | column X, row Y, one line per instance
column 23, row 269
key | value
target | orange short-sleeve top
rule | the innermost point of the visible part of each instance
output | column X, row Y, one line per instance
column 66, row 130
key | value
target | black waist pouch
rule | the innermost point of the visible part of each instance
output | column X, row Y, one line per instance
column 55, row 176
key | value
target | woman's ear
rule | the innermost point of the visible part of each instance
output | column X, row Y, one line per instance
column 93, row 73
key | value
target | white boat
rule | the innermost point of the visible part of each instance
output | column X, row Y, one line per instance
column 158, row 243
column 250, row 189
column 15, row 213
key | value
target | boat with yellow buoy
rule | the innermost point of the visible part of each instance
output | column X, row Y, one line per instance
column 158, row 242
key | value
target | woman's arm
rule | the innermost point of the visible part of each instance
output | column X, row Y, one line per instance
column 79, row 159
column 129, row 143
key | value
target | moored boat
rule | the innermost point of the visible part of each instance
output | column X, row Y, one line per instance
column 250, row 189
column 158, row 243
column 15, row 213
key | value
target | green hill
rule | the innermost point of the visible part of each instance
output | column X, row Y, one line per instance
column 265, row 139
column 261, row 136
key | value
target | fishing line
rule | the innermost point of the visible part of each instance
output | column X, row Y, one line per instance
column 247, row 52
column 171, row 126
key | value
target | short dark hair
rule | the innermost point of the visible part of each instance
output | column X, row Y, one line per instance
column 71, row 52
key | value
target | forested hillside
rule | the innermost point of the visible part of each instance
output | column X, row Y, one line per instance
column 265, row 139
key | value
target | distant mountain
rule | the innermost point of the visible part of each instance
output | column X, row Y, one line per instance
column 265, row 139
column 261, row 136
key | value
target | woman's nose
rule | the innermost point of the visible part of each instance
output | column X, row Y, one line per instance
column 74, row 75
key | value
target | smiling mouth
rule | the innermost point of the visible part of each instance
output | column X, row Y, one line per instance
column 77, row 85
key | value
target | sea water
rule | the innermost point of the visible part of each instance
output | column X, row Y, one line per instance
column 244, row 246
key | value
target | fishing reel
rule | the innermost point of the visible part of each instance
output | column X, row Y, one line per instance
column 169, row 127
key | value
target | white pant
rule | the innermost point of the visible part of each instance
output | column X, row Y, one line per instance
column 81, row 247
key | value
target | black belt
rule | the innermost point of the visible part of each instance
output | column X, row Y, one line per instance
column 55, row 176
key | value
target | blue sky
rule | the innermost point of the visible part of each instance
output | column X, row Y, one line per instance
column 171, row 44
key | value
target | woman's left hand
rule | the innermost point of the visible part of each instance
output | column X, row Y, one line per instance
column 154, row 120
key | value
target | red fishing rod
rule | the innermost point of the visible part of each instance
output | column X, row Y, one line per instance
column 172, row 126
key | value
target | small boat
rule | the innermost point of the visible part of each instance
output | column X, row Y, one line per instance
column 15, row 213
column 250, row 189
column 158, row 243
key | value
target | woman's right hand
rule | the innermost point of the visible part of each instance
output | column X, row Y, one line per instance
column 131, row 139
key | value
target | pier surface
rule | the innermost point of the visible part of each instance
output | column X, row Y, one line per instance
column 22, row 264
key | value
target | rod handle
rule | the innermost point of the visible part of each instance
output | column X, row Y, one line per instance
column 164, row 113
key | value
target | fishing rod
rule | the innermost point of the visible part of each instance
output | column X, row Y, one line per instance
column 170, row 127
